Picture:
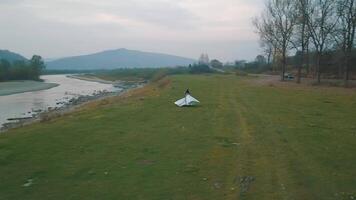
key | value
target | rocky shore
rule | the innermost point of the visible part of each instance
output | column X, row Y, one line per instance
column 117, row 83
column 66, row 106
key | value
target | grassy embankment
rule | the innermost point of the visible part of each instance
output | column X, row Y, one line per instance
column 245, row 141
column 137, row 74
column 13, row 87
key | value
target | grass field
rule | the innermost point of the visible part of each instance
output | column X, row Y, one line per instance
column 245, row 141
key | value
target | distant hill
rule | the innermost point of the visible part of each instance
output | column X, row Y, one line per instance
column 120, row 58
column 11, row 56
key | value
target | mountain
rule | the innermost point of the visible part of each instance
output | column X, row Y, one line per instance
column 119, row 58
column 49, row 59
column 11, row 56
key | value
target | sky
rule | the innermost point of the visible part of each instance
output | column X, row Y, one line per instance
column 59, row 28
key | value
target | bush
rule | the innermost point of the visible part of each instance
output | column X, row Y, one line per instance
column 257, row 68
column 199, row 69
column 240, row 73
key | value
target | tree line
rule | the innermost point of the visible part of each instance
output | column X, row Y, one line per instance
column 320, row 34
column 21, row 69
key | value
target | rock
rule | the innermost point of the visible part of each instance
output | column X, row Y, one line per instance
column 217, row 185
column 28, row 183
column 18, row 118
column 244, row 183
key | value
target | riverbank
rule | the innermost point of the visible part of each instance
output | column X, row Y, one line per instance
column 116, row 83
column 92, row 78
column 14, row 87
column 66, row 106
column 45, row 115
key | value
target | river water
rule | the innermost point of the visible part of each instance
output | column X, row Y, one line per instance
column 26, row 104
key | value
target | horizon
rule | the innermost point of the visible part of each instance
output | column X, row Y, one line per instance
column 186, row 28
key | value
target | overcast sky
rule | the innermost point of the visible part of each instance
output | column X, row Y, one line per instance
column 58, row 28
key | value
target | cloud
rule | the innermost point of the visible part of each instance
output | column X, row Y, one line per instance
column 155, row 12
column 64, row 27
column 10, row 2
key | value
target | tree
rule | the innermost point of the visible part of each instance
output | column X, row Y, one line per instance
column 268, row 50
column 21, row 69
column 216, row 64
column 37, row 65
column 266, row 31
column 260, row 59
column 4, row 69
column 276, row 27
column 301, row 35
column 321, row 23
column 346, row 32
column 199, row 68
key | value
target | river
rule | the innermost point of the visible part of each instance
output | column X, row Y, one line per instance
column 26, row 104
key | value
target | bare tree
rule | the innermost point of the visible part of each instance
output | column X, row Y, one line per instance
column 266, row 32
column 321, row 26
column 268, row 51
column 301, row 34
column 346, row 33
column 276, row 25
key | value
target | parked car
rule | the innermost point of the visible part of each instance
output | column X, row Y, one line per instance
column 288, row 76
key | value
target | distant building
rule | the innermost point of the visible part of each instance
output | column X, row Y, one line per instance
column 204, row 59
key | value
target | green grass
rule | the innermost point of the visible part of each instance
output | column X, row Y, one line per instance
column 244, row 141
column 13, row 87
